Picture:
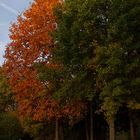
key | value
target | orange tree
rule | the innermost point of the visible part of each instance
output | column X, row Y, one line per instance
column 32, row 45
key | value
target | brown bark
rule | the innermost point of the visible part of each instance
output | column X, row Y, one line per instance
column 87, row 130
column 43, row 135
column 111, row 130
column 61, row 131
column 56, row 130
column 91, row 123
column 132, row 130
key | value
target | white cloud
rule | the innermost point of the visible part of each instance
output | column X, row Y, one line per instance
column 8, row 8
column 2, row 43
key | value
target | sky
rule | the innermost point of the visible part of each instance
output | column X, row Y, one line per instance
column 9, row 10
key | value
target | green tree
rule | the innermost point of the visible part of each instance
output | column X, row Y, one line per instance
column 80, row 26
column 128, row 24
column 117, row 62
column 99, row 39
column 110, row 79
column 10, row 128
column 6, row 99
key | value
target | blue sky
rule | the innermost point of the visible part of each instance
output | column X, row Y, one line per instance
column 9, row 10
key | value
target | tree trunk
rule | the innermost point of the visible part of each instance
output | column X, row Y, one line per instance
column 132, row 130
column 61, row 131
column 111, row 130
column 56, row 130
column 43, row 135
column 91, row 123
column 86, row 127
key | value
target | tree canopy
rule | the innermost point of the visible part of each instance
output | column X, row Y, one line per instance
column 74, row 59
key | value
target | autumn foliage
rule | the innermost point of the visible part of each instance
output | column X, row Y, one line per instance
column 31, row 44
column 74, row 62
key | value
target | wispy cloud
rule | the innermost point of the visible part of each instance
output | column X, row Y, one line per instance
column 4, row 23
column 8, row 8
column 2, row 45
column 2, row 49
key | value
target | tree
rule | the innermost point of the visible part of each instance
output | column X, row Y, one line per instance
column 7, row 102
column 10, row 128
column 70, row 109
column 31, row 46
column 117, row 57
column 129, row 39
column 84, row 56
column 96, row 48
column 110, row 78
column 78, row 28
